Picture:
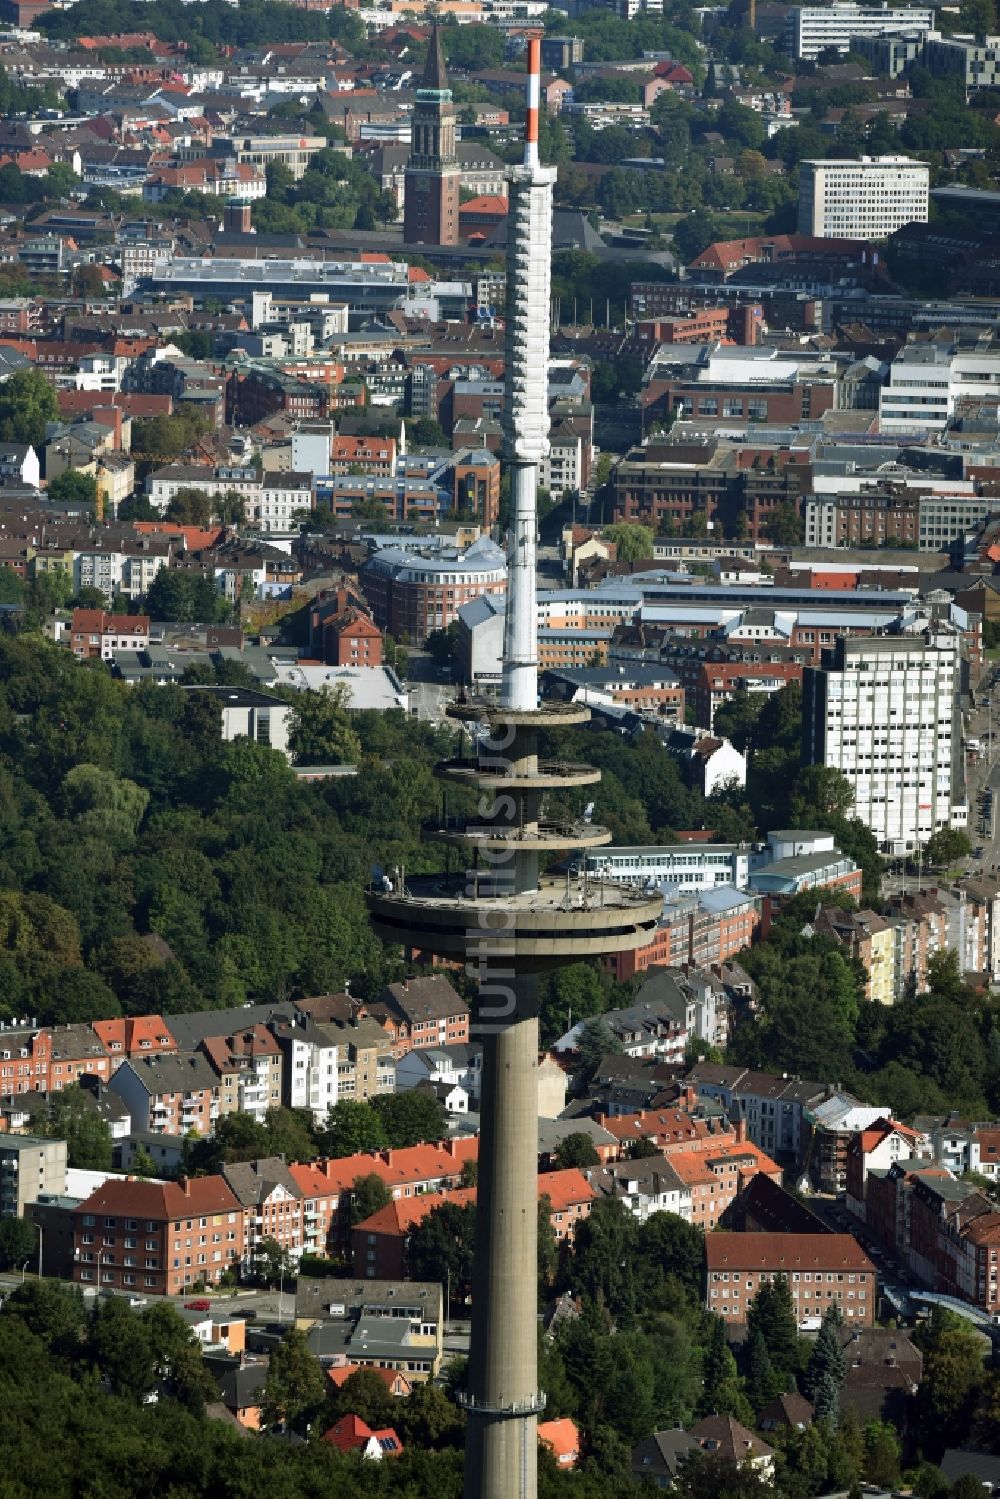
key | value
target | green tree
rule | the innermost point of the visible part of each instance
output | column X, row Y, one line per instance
column 71, row 1116
column 320, row 730
column 410, row 1118
column 295, row 1386
column 968, row 1486
column 180, row 1369
column 271, row 1262
column 596, row 1041
column 190, row 507
column 442, row 1245
column 18, row 1242
column 763, row 1382
column 707, row 1477
column 576, row 1149
column 369, row 1194
column 364, row 1394
column 632, row 541
column 27, row 404
column 694, row 233
column 723, row 1391
column 351, row 1128
column 575, row 992
column 785, row 526
column 772, row 1315
column 827, row 1367
column 73, row 488
column 951, row 1382
column 947, row 846
column 882, row 1451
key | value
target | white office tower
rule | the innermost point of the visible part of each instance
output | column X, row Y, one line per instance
column 812, row 29
column 866, row 199
column 884, row 711
column 526, row 398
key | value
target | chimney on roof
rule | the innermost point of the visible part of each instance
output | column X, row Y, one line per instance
column 184, row 1182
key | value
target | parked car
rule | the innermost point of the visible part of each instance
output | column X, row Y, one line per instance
column 137, row 1301
column 198, row 1306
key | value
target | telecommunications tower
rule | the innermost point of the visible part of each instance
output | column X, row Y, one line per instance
column 508, row 921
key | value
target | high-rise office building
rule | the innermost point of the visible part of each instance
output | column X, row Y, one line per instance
column 812, row 29
column 884, row 712
column 866, row 199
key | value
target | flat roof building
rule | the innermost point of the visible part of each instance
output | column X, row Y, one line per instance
column 867, row 199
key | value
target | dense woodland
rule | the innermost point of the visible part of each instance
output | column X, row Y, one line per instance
column 125, row 819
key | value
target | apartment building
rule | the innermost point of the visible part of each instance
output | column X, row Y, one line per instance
column 700, row 929
column 954, row 1239
column 876, row 1147
column 363, row 455
column 867, row 199
column 123, row 569
column 412, row 593
column 775, row 1109
column 672, row 1007
column 646, row 1186
column 271, row 501
column 273, row 1206
column 157, row 1238
column 421, row 1012
column 868, row 938
column 812, row 29
column 134, row 1035
column 310, row 1070
column 884, row 713
column 30, row 1167
column 379, row 1243
column 96, row 635
column 169, row 1095
column 407, row 1173
column 710, row 670
column 975, row 62
column 248, row 1066
column 877, row 517
column 820, row 1270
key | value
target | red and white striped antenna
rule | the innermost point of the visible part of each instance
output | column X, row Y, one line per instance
column 534, row 101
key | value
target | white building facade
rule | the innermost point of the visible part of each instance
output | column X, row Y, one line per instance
column 927, row 380
column 812, row 29
column 866, row 199
column 884, row 713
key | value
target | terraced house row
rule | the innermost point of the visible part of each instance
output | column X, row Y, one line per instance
column 185, row 1073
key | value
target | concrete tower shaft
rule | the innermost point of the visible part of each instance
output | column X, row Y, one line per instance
column 497, row 912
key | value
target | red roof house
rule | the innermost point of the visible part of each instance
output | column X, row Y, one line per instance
column 351, row 1434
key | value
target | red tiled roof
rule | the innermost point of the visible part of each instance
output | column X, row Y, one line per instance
column 397, row 1168
column 777, row 1252
column 130, row 1032
column 162, row 1200
column 563, row 1436
column 339, row 1375
column 488, row 203
column 350, row 1432
column 564, row 1189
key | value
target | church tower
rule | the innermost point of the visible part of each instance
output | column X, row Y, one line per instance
column 430, row 207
